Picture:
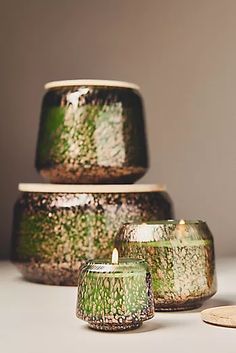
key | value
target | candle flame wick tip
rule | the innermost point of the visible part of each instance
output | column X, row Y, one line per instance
column 115, row 257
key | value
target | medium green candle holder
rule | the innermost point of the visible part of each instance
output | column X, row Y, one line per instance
column 180, row 255
column 115, row 297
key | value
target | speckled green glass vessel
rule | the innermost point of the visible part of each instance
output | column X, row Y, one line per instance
column 180, row 257
column 58, row 227
column 92, row 131
column 115, row 297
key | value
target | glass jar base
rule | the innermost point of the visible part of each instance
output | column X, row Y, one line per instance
column 114, row 328
column 63, row 274
column 178, row 307
column 191, row 304
column 94, row 175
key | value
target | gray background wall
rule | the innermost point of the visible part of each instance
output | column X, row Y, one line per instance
column 182, row 54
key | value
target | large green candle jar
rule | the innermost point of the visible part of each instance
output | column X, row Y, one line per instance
column 115, row 297
column 180, row 255
column 92, row 131
column 57, row 227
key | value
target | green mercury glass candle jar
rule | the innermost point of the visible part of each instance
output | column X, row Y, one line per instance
column 56, row 228
column 181, row 260
column 92, row 131
column 115, row 297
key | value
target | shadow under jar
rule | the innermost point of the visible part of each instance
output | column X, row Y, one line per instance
column 92, row 131
column 180, row 257
column 58, row 227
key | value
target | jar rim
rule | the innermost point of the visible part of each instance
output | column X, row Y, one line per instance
column 90, row 188
column 127, row 265
column 164, row 222
column 90, row 82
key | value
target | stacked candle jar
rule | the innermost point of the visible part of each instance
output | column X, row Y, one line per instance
column 91, row 146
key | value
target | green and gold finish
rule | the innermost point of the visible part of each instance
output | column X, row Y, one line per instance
column 92, row 131
column 180, row 258
column 58, row 227
column 115, row 297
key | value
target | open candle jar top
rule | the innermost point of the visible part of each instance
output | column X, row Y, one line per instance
column 180, row 255
column 115, row 295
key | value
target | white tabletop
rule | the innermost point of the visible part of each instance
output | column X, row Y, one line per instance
column 38, row 318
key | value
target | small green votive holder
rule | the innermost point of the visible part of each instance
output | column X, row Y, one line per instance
column 180, row 256
column 115, row 297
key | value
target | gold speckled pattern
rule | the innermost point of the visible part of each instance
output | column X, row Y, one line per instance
column 180, row 258
column 92, row 134
column 54, row 233
column 114, row 301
